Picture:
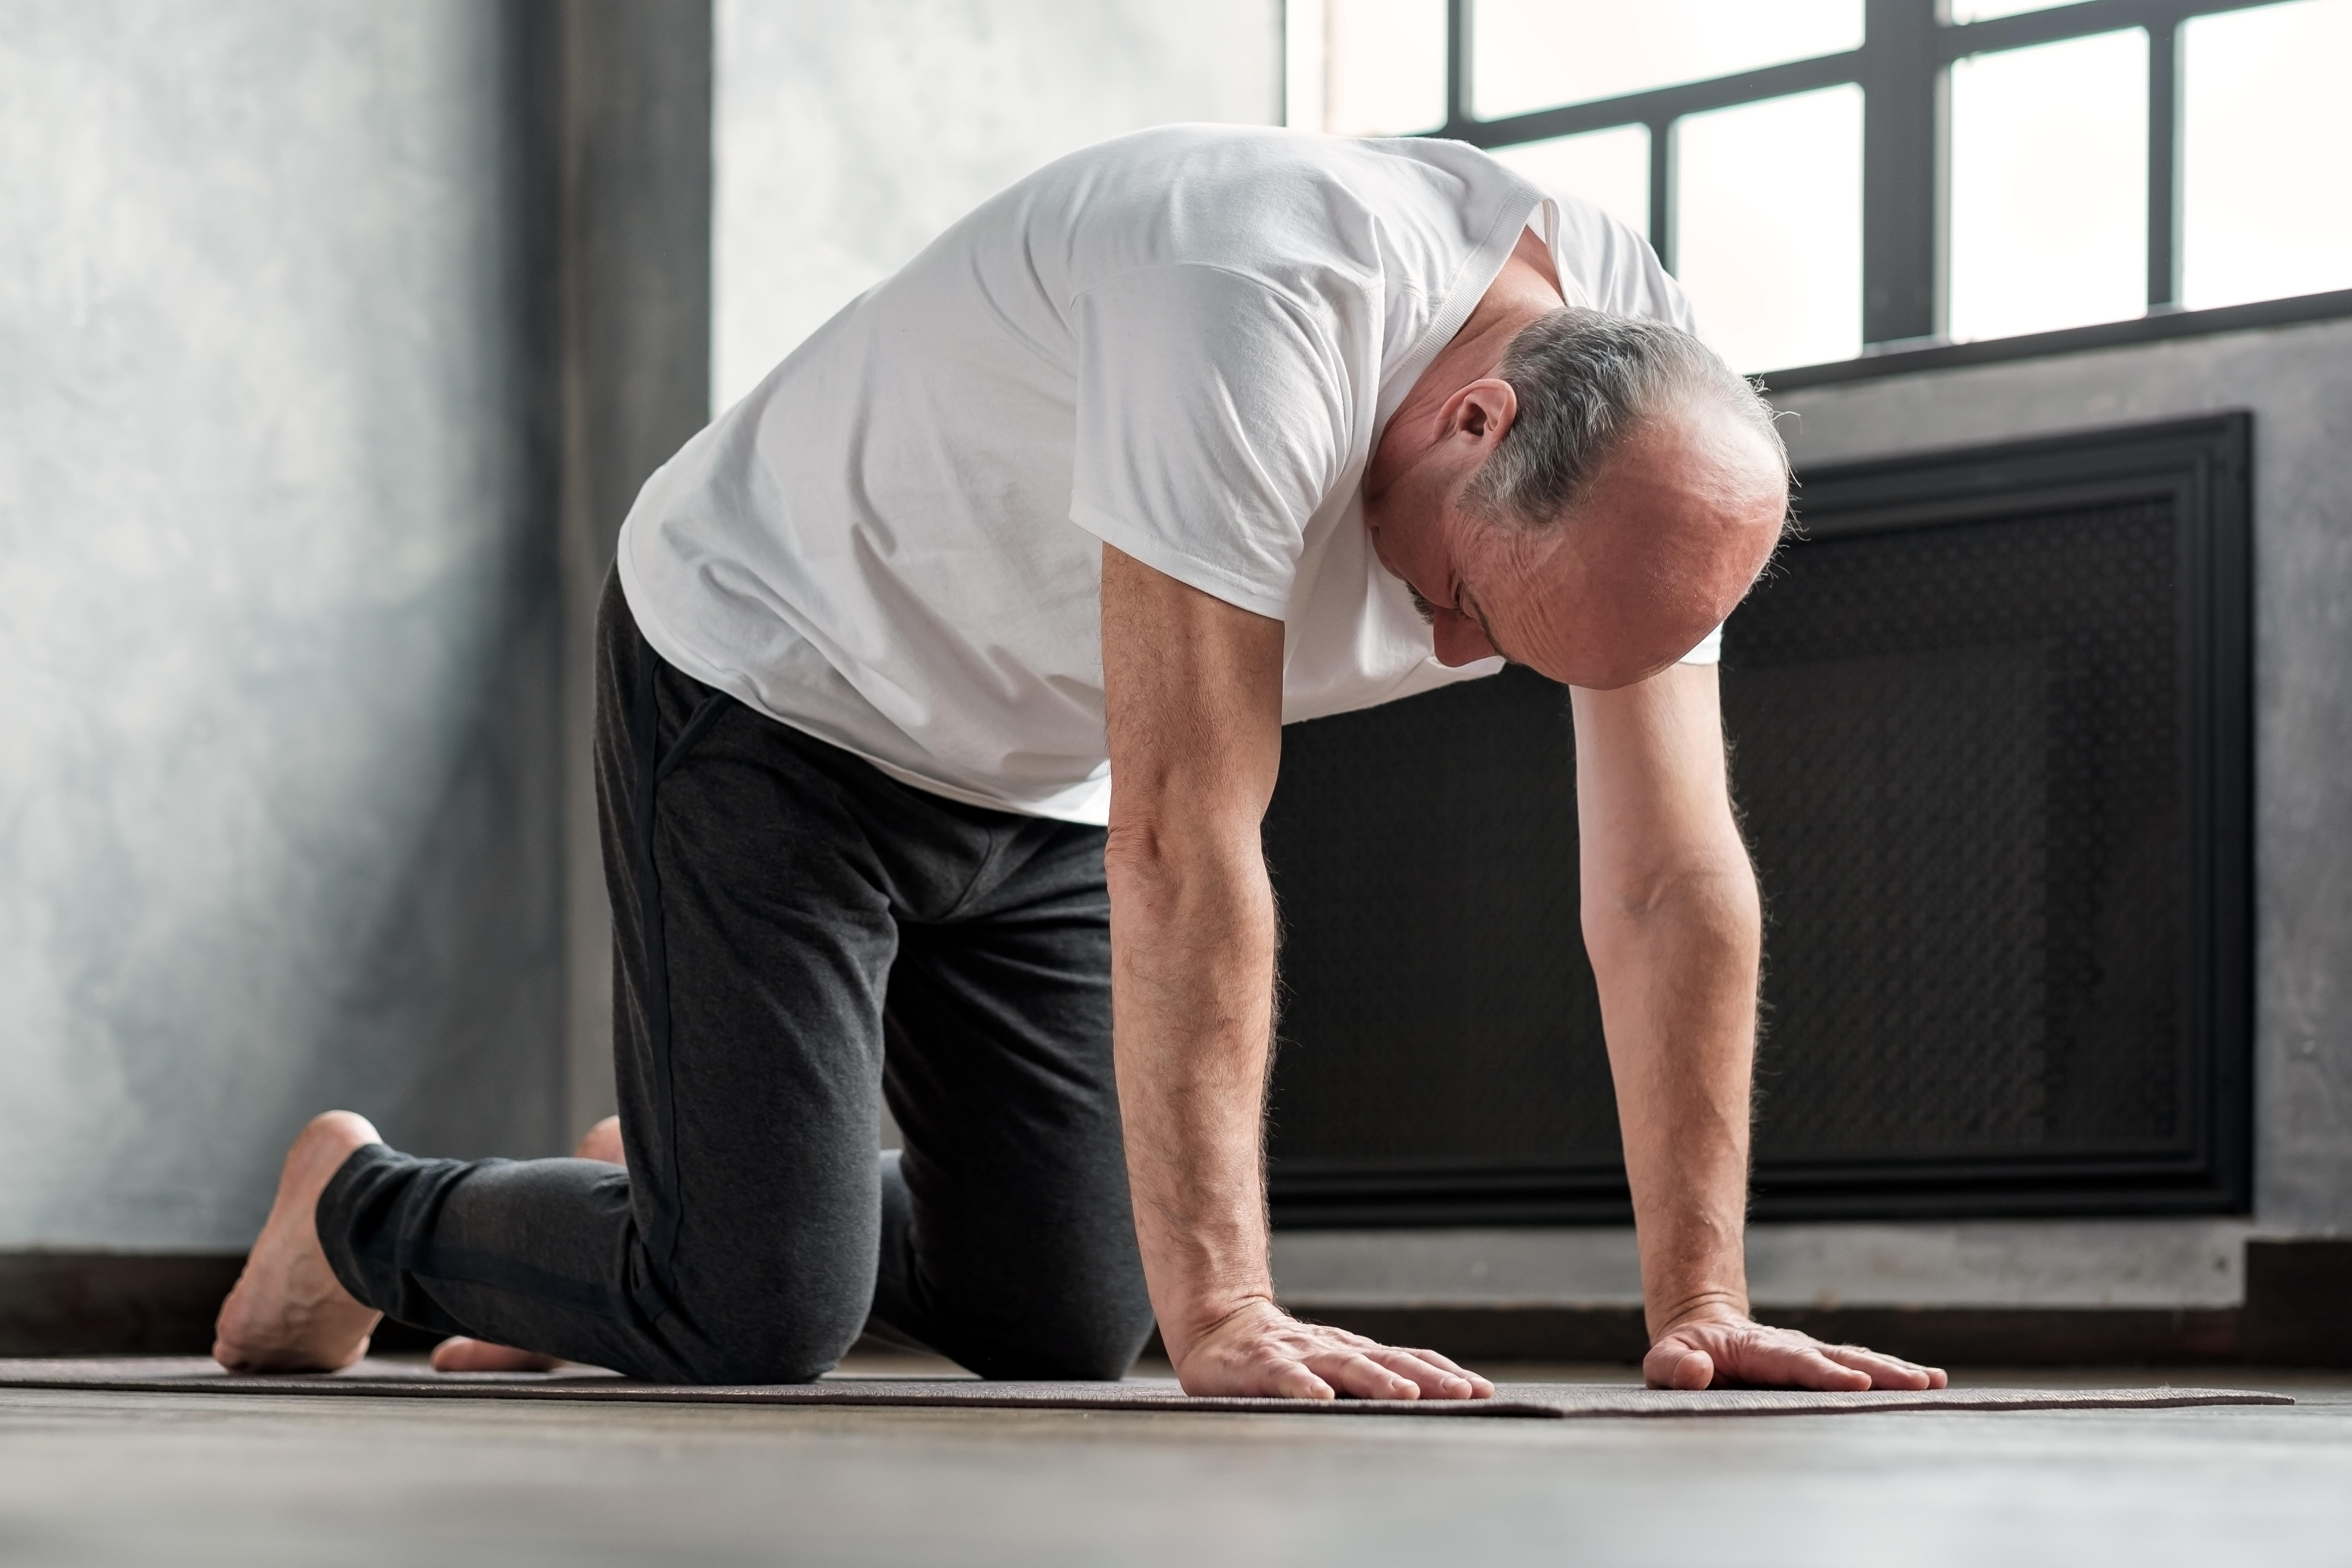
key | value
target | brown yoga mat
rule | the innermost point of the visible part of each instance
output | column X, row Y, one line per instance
column 1553, row 1401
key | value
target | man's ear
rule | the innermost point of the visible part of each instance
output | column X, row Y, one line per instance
column 1484, row 410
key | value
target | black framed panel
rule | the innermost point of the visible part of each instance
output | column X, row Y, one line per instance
column 1991, row 731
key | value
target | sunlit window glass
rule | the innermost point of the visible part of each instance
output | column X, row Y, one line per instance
column 2266, row 153
column 1384, row 66
column 1303, row 28
column 1985, row 10
column 1611, row 169
column 2049, row 214
column 1768, row 226
column 1535, row 54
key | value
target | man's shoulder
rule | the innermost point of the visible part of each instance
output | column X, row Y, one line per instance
column 1171, row 164
column 1262, row 201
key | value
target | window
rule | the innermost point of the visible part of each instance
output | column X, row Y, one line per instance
column 2049, row 186
column 1831, row 176
column 1768, row 219
column 2266, row 153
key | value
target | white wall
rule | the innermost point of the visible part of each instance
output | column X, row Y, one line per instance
column 2298, row 381
column 275, row 808
column 846, row 136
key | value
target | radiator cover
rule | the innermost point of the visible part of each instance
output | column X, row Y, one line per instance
column 1989, row 730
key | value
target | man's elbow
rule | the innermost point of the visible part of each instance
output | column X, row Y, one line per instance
column 1706, row 902
column 1152, row 857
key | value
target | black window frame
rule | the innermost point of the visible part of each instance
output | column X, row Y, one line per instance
column 1902, row 68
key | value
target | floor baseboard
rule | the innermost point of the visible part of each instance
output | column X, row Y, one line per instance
column 112, row 1303
column 2298, row 1302
column 2297, row 1313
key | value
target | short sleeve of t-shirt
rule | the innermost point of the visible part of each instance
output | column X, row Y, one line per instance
column 1212, row 422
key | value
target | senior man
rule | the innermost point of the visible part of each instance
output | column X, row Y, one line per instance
column 941, row 691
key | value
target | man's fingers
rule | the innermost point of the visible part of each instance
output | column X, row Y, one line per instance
column 1673, row 1365
column 1269, row 1354
column 1294, row 1380
column 1886, row 1371
column 1757, row 1360
column 1354, row 1373
column 1749, row 1353
column 1480, row 1388
column 1436, row 1377
column 1808, row 1368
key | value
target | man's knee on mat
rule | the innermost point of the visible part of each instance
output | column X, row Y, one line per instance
column 751, row 1330
column 1085, row 1339
column 780, row 1353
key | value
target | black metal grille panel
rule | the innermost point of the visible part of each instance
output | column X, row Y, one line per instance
column 1986, row 752
column 1425, row 857
column 1958, row 749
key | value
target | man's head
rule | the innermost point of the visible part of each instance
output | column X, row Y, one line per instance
column 1591, row 507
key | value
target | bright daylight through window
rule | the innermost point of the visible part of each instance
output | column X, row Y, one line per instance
column 1982, row 169
column 2049, row 186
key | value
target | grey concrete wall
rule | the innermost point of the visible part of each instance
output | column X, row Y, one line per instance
column 278, row 800
column 2298, row 381
column 848, row 136
column 618, row 226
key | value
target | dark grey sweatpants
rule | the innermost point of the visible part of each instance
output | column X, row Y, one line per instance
column 791, row 927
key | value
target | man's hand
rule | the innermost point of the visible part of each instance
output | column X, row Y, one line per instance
column 1724, row 1349
column 1259, row 1349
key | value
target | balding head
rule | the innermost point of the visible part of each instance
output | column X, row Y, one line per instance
column 1591, row 508
column 1659, row 545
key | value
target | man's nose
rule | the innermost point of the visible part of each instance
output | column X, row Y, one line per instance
column 1459, row 639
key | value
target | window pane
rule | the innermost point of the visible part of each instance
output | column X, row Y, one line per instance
column 1384, row 66
column 1767, row 227
column 1985, row 10
column 2050, row 185
column 1535, row 54
column 1303, row 66
column 1611, row 169
column 2266, row 153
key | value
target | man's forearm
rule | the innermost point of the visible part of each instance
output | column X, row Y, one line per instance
column 1673, row 927
column 1192, row 945
column 1677, row 973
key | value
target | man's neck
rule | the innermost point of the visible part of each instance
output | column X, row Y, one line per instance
column 1527, row 288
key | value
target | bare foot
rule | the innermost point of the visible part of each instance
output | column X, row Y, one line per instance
column 289, row 1311
column 601, row 1142
column 458, row 1353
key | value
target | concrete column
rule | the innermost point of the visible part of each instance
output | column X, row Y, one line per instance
column 617, row 96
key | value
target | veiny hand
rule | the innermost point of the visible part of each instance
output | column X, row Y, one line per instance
column 1260, row 1350
column 1723, row 1349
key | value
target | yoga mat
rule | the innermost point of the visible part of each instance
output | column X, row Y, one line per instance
column 1542, row 1401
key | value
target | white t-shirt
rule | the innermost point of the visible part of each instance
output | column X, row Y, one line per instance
column 1183, row 343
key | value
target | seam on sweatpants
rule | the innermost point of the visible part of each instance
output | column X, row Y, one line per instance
column 656, row 1294
column 706, row 713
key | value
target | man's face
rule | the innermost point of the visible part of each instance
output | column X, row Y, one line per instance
column 1672, row 531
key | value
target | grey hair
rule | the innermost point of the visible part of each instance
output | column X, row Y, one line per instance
column 1585, row 380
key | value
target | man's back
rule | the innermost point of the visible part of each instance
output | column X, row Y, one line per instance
column 1181, row 342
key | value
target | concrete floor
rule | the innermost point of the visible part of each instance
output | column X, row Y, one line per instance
column 107, row 1478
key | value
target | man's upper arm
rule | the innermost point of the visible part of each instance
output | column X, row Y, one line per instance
column 1193, row 704
column 1654, row 803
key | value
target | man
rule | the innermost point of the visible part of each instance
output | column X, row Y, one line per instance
column 1186, row 436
